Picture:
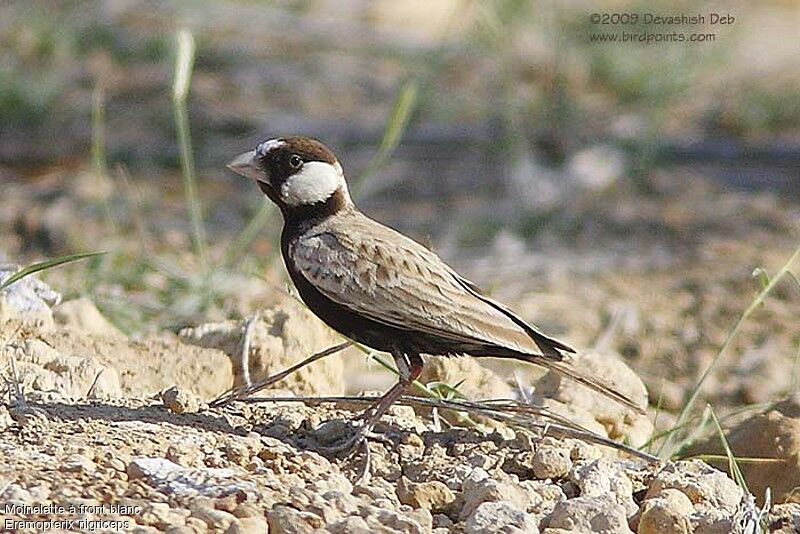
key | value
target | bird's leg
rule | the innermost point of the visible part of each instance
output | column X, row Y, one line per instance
column 409, row 367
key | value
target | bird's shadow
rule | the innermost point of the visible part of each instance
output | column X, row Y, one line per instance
column 275, row 426
column 147, row 413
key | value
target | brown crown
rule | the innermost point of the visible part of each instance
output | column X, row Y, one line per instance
column 309, row 149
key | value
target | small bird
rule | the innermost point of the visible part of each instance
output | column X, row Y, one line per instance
column 380, row 288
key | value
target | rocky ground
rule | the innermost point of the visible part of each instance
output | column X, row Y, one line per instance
column 104, row 433
column 105, row 415
column 253, row 468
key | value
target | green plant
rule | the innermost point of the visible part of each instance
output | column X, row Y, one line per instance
column 669, row 447
column 733, row 465
column 396, row 125
column 184, row 64
column 45, row 265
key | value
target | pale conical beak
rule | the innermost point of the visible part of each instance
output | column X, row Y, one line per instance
column 247, row 165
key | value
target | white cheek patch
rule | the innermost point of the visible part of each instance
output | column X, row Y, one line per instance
column 315, row 182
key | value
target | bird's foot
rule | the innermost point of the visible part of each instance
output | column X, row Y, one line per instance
column 340, row 438
column 345, row 439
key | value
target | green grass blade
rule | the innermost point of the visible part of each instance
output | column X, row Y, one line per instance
column 99, row 131
column 184, row 64
column 733, row 465
column 44, row 265
column 692, row 424
column 242, row 242
column 757, row 301
column 392, row 134
column 741, row 460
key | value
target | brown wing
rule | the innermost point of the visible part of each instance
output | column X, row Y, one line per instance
column 377, row 272
column 391, row 279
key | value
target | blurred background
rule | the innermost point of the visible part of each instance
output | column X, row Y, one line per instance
column 621, row 195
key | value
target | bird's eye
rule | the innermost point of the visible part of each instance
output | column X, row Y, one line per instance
column 295, row 161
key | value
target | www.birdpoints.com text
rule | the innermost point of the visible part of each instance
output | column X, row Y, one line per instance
column 657, row 28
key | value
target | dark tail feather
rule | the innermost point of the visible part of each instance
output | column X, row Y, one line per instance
column 551, row 348
column 552, row 356
column 564, row 369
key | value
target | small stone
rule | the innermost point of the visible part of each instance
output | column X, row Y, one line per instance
column 58, row 376
column 28, row 300
column 247, row 510
column 402, row 412
column 179, row 400
column 217, row 520
column 15, row 492
column 286, row 520
column 279, row 337
column 350, row 525
column 421, row 517
column 703, row 484
column 77, row 463
column 551, row 462
column 116, row 464
column 497, row 517
column 197, row 525
column 580, row 450
column 380, row 518
column 432, row 495
column 248, row 525
column 603, row 477
column 229, row 503
column 589, row 514
column 667, row 513
column 483, row 383
column 480, row 487
column 158, row 514
column 412, row 440
column 186, row 454
column 442, row 521
column 543, row 497
column 171, row 478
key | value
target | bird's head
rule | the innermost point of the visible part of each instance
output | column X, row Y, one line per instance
column 297, row 173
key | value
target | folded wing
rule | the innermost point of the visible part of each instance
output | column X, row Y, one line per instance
column 389, row 278
column 383, row 275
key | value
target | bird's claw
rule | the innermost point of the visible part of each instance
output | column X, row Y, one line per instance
column 357, row 442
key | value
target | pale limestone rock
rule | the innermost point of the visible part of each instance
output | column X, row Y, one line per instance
column 81, row 314
column 279, row 337
column 581, row 515
column 500, row 518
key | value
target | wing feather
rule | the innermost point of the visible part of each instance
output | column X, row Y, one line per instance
column 381, row 274
column 391, row 279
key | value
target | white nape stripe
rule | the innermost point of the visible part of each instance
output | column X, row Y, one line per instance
column 267, row 146
column 315, row 182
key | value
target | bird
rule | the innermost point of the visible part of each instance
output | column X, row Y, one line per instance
column 380, row 288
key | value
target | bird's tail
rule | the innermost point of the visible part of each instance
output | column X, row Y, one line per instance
column 565, row 368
